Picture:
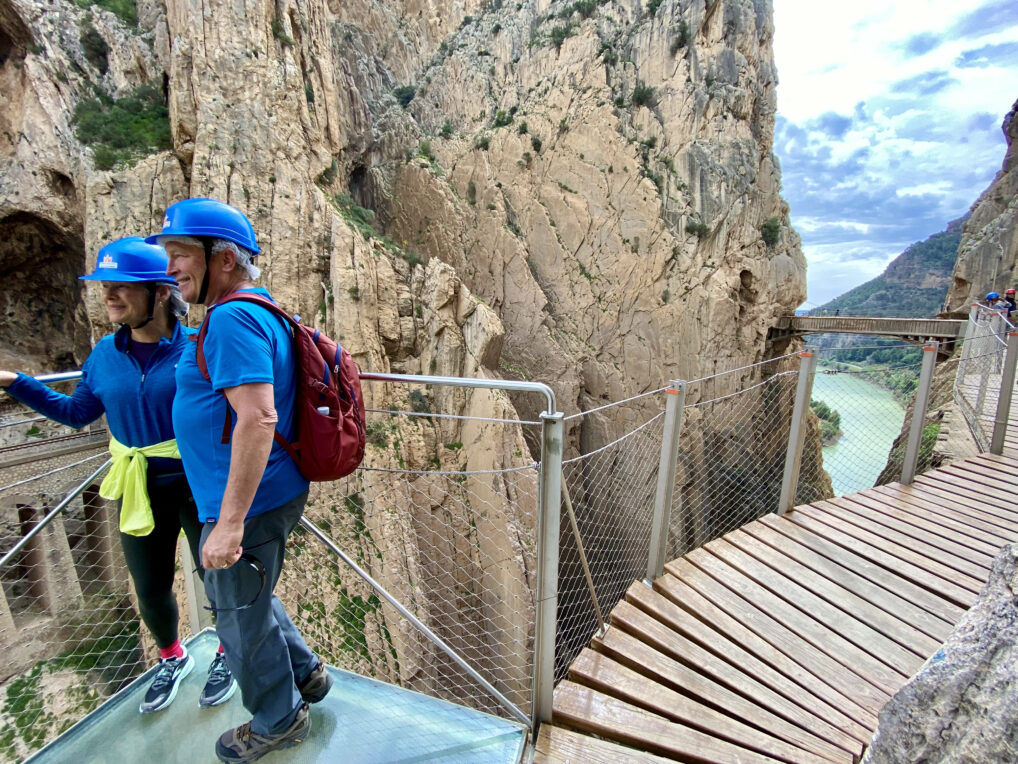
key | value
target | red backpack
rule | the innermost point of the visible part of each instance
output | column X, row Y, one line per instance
column 325, row 446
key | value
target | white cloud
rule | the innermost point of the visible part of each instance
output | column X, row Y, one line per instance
column 889, row 123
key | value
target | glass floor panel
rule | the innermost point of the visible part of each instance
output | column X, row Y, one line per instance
column 362, row 721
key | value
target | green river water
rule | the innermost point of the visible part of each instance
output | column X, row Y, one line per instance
column 870, row 419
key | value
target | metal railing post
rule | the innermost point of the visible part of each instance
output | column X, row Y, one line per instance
column 1004, row 396
column 665, row 479
column 796, row 433
column 919, row 405
column 194, row 591
column 549, row 505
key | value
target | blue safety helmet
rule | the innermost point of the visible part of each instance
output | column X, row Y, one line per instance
column 131, row 259
column 208, row 218
column 992, row 296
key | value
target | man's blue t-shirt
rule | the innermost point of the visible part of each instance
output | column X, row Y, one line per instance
column 244, row 344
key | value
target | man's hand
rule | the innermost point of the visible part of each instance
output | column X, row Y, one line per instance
column 7, row 378
column 222, row 546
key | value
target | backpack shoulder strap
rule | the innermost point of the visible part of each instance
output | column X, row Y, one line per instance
column 257, row 299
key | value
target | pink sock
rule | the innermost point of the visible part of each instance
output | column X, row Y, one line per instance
column 220, row 650
column 173, row 651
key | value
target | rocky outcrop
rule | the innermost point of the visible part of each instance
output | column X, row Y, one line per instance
column 988, row 253
column 960, row 707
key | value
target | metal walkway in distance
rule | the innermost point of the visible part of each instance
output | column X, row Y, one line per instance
column 909, row 329
column 782, row 640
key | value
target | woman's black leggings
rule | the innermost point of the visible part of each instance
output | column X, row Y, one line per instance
column 152, row 559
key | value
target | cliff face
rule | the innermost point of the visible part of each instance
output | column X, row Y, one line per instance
column 988, row 253
column 574, row 193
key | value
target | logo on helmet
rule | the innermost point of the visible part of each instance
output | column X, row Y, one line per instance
column 166, row 222
column 108, row 262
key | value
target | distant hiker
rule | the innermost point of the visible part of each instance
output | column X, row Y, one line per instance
column 129, row 376
column 995, row 302
column 249, row 492
column 1009, row 298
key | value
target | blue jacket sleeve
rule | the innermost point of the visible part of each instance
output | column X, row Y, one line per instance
column 75, row 410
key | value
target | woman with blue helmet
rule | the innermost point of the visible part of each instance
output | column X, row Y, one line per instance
column 129, row 377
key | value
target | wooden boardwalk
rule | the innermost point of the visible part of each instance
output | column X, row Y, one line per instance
column 784, row 639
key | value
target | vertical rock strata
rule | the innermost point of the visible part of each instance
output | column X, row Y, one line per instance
column 568, row 192
column 988, row 253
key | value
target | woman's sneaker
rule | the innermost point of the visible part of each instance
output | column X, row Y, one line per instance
column 220, row 685
column 164, row 686
column 317, row 684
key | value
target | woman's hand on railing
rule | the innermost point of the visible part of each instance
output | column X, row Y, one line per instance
column 7, row 378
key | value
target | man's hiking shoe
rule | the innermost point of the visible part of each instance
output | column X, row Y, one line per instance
column 168, row 677
column 241, row 744
column 317, row 685
column 220, row 685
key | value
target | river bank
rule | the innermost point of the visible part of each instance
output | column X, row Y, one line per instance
column 870, row 419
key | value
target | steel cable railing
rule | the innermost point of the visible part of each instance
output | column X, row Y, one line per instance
column 456, row 531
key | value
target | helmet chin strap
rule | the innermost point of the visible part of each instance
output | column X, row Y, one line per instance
column 151, row 305
column 204, row 291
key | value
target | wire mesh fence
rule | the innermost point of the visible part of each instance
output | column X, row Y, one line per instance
column 977, row 384
column 443, row 515
column 455, row 548
column 731, row 458
column 453, row 543
column 611, row 491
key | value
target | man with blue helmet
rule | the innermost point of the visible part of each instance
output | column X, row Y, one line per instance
column 249, row 492
column 130, row 376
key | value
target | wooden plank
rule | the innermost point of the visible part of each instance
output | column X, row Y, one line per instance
column 1006, row 461
column 963, row 589
column 917, row 594
column 984, row 474
column 934, row 491
column 935, row 629
column 998, row 494
column 556, row 745
column 902, row 511
column 809, row 629
column 600, row 714
column 954, row 594
column 690, row 626
column 947, row 516
column 861, row 693
column 835, row 588
column 859, row 511
column 628, row 618
column 636, row 654
column 793, row 679
column 987, row 496
column 887, row 653
column 601, row 673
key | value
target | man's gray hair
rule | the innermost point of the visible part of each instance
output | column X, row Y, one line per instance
column 243, row 255
column 177, row 305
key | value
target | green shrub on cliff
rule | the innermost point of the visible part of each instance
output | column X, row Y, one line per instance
column 120, row 130
column 126, row 10
column 771, row 231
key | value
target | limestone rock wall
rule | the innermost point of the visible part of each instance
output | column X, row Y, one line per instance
column 568, row 192
column 988, row 253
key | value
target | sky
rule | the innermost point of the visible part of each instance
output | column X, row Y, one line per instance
column 888, row 123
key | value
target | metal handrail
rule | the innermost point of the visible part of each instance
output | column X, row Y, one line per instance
column 53, row 513
column 488, row 384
